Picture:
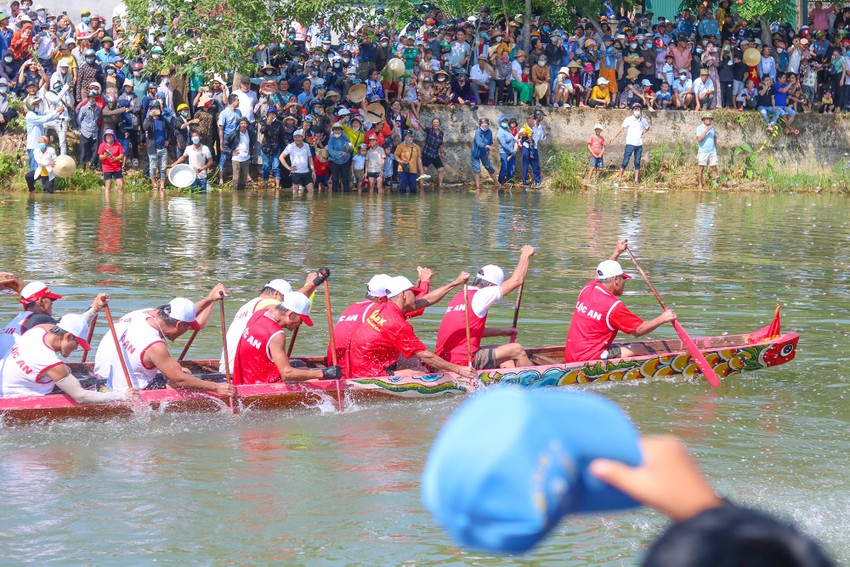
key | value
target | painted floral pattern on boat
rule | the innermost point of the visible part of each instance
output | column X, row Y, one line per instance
column 726, row 362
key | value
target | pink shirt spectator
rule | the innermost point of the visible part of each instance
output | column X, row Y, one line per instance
column 820, row 18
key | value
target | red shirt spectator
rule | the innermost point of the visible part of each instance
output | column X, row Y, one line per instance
column 115, row 162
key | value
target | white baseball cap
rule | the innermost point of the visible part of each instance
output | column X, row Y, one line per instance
column 377, row 286
column 280, row 286
column 299, row 303
column 298, row 132
column 598, row 127
column 34, row 291
column 183, row 309
column 400, row 284
column 77, row 326
column 610, row 269
column 492, row 273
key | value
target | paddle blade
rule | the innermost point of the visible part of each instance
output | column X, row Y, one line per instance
column 697, row 356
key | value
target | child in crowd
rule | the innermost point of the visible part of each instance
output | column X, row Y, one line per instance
column 389, row 168
column 827, row 105
column 596, row 147
column 563, row 88
column 358, row 164
column 411, row 98
column 375, row 158
column 664, row 97
column 667, row 70
column 809, row 75
column 322, row 166
column 588, row 81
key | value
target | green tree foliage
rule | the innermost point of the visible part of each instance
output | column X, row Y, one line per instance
column 770, row 10
column 767, row 10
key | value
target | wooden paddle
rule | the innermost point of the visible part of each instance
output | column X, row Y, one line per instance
column 693, row 350
column 468, row 332
column 89, row 338
column 117, row 345
column 224, row 347
column 516, row 311
column 332, row 341
column 292, row 343
column 188, row 344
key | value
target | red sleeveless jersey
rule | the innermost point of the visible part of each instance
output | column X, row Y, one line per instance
column 451, row 337
column 380, row 340
column 347, row 324
column 253, row 362
column 596, row 320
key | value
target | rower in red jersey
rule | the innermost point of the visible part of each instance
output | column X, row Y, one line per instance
column 261, row 352
column 271, row 295
column 488, row 288
column 386, row 335
column 376, row 294
column 599, row 315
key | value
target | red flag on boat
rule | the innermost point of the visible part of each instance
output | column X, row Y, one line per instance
column 769, row 332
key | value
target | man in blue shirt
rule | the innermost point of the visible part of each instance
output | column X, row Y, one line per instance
column 780, row 102
column 482, row 144
column 707, row 153
column 228, row 122
column 339, row 155
column 683, row 91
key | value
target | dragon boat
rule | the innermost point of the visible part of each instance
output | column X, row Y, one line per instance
column 729, row 355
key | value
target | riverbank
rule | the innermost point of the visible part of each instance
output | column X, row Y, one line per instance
column 750, row 159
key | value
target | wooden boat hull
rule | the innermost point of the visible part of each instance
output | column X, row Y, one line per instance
column 729, row 356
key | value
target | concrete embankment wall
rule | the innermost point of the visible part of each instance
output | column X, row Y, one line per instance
column 823, row 142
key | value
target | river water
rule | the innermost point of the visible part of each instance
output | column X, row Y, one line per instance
column 314, row 487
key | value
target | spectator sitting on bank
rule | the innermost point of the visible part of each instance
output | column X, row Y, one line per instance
column 600, row 96
column 462, row 91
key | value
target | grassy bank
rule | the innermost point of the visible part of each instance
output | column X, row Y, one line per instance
column 674, row 167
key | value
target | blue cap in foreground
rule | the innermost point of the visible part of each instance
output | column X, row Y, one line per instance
column 511, row 462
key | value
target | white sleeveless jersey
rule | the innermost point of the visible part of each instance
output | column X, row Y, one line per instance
column 22, row 369
column 136, row 337
column 234, row 331
column 12, row 332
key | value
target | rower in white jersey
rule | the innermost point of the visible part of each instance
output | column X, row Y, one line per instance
column 270, row 296
column 37, row 301
column 33, row 365
column 142, row 337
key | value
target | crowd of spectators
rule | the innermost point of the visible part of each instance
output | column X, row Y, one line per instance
column 371, row 82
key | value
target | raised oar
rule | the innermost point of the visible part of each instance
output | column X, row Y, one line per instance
column 466, row 317
column 693, row 350
column 89, row 338
column 332, row 340
column 516, row 311
column 117, row 345
column 292, row 343
column 224, row 347
column 188, row 344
